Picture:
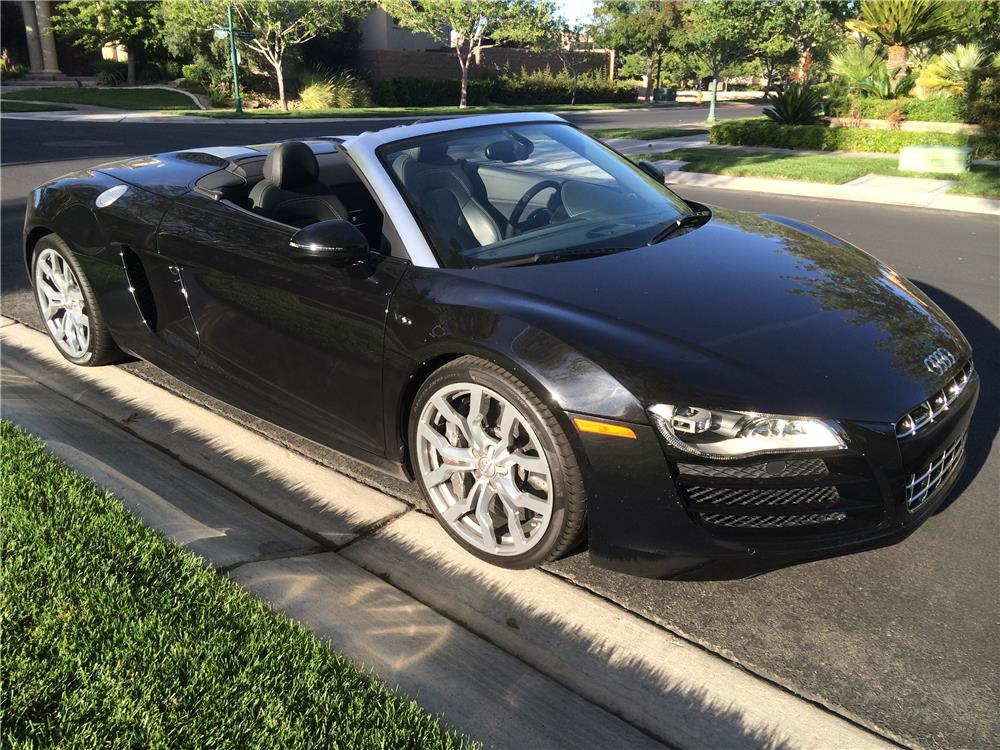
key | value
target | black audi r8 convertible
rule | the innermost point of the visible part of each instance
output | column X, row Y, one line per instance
column 551, row 342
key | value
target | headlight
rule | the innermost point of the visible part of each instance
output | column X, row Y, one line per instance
column 727, row 435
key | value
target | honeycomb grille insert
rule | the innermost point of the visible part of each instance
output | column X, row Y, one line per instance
column 920, row 487
column 936, row 406
column 772, row 522
column 755, row 498
column 808, row 467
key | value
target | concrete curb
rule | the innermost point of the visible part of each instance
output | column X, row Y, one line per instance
column 532, row 661
column 851, row 191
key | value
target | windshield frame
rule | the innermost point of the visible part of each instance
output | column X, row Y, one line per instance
column 671, row 198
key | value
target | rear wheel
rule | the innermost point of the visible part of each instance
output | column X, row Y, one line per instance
column 495, row 466
column 68, row 306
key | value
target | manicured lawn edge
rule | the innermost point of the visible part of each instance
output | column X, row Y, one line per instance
column 983, row 181
column 11, row 106
column 114, row 98
column 113, row 637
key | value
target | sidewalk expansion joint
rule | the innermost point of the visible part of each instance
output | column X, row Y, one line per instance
column 373, row 528
column 225, row 570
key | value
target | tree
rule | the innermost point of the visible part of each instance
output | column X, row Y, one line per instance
column 719, row 34
column 467, row 24
column 570, row 42
column 900, row 24
column 789, row 30
column 638, row 26
column 279, row 26
column 94, row 23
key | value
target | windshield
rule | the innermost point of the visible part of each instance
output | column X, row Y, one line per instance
column 544, row 191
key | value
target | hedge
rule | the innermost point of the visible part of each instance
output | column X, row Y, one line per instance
column 760, row 132
column 930, row 110
column 410, row 91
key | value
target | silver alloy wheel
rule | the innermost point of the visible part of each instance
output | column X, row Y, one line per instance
column 62, row 304
column 484, row 469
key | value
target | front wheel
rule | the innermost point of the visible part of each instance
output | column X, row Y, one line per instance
column 68, row 305
column 495, row 466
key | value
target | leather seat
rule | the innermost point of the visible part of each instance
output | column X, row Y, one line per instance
column 291, row 191
column 445, row 195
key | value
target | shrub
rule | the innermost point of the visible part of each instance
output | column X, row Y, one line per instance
column 156, row 71
column 322, row 90
column 111, row 72
column 8, row 69
column 795, row 105
column 758, row 132
column 198, row 73
column 986, row 110
column 410, row 91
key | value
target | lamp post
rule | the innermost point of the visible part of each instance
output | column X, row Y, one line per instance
column 232, row 56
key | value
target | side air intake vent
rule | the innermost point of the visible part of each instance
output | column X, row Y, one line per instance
column 138, row 286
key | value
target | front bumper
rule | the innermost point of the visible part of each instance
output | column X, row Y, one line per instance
column 653, row 513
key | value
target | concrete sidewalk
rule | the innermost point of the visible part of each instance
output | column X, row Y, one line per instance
column 880, row 189
column 517, row 659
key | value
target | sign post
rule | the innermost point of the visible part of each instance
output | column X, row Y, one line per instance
column 232, row 55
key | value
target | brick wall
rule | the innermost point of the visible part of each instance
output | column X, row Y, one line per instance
column 381, row 65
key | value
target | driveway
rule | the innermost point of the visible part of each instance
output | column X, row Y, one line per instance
column 904, row 637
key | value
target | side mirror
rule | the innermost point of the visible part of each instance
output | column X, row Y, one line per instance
column 334, row 241
column 652, row 170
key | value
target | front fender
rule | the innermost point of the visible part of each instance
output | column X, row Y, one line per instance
column 434, row 317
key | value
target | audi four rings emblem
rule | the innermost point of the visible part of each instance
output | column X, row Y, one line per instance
column 939, row 361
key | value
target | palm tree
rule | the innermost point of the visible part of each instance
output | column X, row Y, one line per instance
column 899, row 24
column 964, row 66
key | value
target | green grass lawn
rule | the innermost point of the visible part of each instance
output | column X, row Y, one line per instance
column 117, row 98
column 6, row 106
column 113, row 637
column 411, row 111
column 982, row 181
column 646, row 134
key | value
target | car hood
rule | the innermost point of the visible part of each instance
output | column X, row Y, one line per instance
column 746, row 312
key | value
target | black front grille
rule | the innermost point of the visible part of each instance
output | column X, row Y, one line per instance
column 780, row 496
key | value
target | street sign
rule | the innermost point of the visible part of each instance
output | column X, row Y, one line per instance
column 246, row 36
column 221, row 33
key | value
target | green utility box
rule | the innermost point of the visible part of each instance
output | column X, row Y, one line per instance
column 939, row 159
column 665, row 95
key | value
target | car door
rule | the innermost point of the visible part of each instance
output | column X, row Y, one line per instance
column 296, row 342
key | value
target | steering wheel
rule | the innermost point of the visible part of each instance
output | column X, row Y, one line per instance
column 515, row 215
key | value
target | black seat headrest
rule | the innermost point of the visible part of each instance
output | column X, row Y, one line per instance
column 291, row 165
column 434, row 152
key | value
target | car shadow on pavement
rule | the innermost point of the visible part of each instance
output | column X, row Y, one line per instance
column 985, row 339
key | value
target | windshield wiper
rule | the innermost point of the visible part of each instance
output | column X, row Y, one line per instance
column 537, row 258
column 695, row 219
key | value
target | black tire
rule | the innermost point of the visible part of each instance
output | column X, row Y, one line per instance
column 101, row 349
column 569, row 506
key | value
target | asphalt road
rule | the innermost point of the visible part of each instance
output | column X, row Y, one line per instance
column 904, row 638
